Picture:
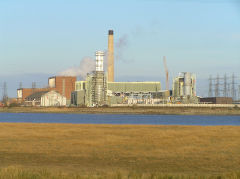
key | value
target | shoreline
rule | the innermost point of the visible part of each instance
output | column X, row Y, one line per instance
column 215, row 111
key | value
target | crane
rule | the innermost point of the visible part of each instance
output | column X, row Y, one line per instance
column 166, row 72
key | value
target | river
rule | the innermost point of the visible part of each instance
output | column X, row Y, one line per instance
column 119, row 119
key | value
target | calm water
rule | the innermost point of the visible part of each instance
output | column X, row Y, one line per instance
column 119, row 119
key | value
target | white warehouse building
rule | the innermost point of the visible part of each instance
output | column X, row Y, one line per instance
column 45, row 99
column 53, row 98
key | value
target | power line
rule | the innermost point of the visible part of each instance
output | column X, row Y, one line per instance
column 225, row 92
column 233, row 92
column 210, row 94
column 238, row 92
column 224, row 87
column 217, row 86
column 5, row 95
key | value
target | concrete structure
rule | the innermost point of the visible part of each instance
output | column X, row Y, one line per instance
column 216, row 100
column 110, row 56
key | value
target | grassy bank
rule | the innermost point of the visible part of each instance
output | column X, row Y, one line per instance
column 128, row 110
column 19, row 173
column 112, row 150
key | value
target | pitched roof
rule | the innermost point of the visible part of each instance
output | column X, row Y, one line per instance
column 36, row 95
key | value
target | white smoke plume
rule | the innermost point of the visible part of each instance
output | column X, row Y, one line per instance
column 87, row 65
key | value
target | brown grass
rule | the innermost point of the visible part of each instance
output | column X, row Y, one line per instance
column 128, row 110
column 93, row 149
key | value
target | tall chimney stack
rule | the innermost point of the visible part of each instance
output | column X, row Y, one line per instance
column 110, row 56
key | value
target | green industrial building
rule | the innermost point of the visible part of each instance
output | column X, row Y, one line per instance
column 116, row 92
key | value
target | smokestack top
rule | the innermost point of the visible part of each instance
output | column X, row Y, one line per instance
column 110, row 32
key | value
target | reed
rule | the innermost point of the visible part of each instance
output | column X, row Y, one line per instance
column 19, row 173
column 129, row 149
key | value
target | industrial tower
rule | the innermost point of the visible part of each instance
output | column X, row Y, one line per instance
column 110, row 70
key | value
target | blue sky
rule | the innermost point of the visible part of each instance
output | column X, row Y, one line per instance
column 48, row 36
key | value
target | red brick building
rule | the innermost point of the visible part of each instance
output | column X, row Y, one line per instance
column 62, row 84
column 22, row 93
column 217, row 100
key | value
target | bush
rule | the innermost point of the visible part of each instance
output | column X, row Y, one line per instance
column 105, row 106
column 236, row 107
column 134, row 106
column 14, row 105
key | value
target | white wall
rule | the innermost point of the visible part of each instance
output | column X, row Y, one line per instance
column 52, row 82
column 19, row 93
column 53, row 98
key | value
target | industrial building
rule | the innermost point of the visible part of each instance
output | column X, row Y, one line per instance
column 61, row 84
column 23, row 93
column 100, row 88
column 34, row 99
column 184, row 88
column 117, row 92
column 96, row 84
column 45, row 98
column 216, row 100
column 131, row 92
column 53, row 98
column 93, row 91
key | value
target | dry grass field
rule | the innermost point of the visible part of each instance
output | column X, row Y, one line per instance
column 119, row 150
column 127, row 110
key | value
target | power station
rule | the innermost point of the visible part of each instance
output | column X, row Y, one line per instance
column 184, row 88
column 100, row 88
